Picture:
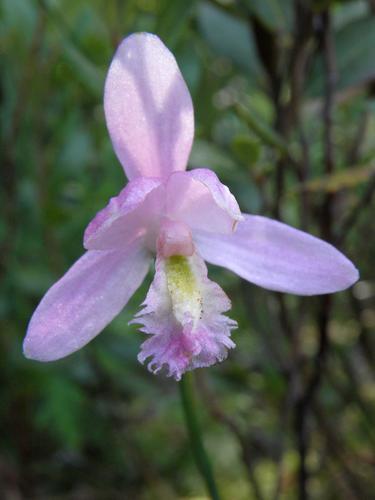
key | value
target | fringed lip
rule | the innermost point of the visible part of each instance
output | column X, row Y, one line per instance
column 183, row 314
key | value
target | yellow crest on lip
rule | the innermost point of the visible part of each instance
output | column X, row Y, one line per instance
column 183, row 289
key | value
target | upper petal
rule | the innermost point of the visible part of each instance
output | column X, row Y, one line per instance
column 200, row 200
column 84, row 301
column 278, row 257
column 196, row 198
column 148, row 108
column 130, row 214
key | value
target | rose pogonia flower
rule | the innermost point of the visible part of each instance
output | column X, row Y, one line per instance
column 185, row 219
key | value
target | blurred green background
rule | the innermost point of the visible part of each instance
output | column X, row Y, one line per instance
column 284, row 96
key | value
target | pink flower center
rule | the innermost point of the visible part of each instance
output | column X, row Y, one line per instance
column 174, row 239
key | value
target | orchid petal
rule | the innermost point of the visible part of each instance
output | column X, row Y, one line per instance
column 200, row 200
column 219, row 192
column 129, row 215
column 279, row 257
column 84, row 301
column 148, row 108
column 183, row 313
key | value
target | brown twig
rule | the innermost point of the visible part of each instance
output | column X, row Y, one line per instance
column 364, row 338
column 300, row 56
column 270, row 55
column 245, row 442
column 351, row 219
column 304, row 403
column 359, row 137
column 336, row 449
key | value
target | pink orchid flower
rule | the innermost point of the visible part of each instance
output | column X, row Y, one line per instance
column 184, row 218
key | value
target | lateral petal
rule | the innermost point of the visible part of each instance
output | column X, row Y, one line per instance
column 278, row 257
column 84, row 301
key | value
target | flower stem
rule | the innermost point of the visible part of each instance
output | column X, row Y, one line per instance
column 195, row 434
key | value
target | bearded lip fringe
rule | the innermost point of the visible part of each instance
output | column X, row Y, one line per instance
column 185, row 319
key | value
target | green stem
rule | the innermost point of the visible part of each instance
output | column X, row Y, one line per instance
column 195, row 434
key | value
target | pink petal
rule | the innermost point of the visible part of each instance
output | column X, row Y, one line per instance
column 200, row 200
column 279, row 257
column 186, row 332
column 84, row 301
column 196, row 198
column 130, row 214
column 148, row 108
column 220, row 193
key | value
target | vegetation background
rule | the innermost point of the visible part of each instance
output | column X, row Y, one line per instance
column 284, row 95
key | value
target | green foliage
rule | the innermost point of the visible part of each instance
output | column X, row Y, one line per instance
column 61, row 408
column 237, row 44
column 246, row 149
column 99, row 426
column 355, row 44
column 273, row 14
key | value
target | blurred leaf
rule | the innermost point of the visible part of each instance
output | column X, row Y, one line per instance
column 262, row 129
column 247, row 149
column 274, row 14
column 191, row 65
column 18, row 20
column 273, row 384
column 71, row 40
column 33, row 280
column 348, row 178
column 355, row 44
column 91, row 32
column 60, row 412
column 208, row 155
column 172, row 20
column 237, row 44
column 76, row 150
column 226, row 127
column 90, row 75
column 348, row 12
